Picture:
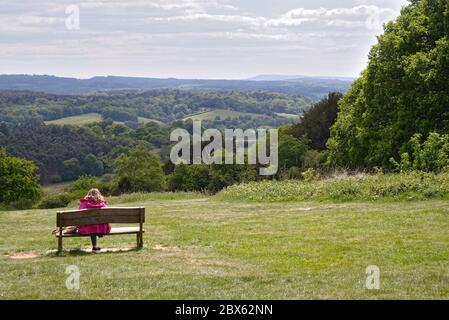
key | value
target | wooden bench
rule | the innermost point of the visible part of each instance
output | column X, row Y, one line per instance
column 98, row 216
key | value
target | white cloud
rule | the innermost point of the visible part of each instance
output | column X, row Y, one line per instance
column 131, row 30
column 27, row 23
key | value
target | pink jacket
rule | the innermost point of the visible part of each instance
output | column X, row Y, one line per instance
column 104, row 228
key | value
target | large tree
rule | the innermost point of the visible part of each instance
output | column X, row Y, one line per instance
column 18, row 182
column 138, row 171
column 315, row 124
column 403, row 91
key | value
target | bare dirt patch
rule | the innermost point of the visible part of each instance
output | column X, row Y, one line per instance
column 162, row 248
column 23, row 255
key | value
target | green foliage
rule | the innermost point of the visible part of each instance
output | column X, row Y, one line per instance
column 18, row 182
column 315, row 124
column 72, row 169
column 189, row 178
column 84, row 183
column 162, row 105
column 213, row 178
column 92, row 166
column 60, row 200
column 138, row 172
column 430, row 155
column 404, row 186
column 403, row 91
column 310, row 175
column 50, row 146
column 291, row 151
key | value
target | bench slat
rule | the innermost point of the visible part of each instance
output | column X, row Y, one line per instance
column 114, row 231
column 81, row 221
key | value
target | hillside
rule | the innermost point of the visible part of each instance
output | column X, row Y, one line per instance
column 313, row 88
column 26, row 107
column 89, row 118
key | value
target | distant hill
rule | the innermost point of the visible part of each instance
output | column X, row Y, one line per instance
column 313, row 88
column 280, row 77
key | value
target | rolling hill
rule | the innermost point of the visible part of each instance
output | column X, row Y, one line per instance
column 313, row 88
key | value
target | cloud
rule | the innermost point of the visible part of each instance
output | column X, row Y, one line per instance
column 27, row 23
column 220, row 31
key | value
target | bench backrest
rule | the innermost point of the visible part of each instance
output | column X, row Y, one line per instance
column 97, row 216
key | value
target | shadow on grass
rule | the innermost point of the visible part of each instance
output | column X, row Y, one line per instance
column 86, row 252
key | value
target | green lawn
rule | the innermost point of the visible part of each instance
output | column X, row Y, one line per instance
column 199, row 247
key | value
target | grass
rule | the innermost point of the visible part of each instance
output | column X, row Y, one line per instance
column 89, row 118
column 361, row 187
column 80, row 120
column 53, row 188
column 223, row 114
column 288, row 116
column 199, row 247
column 146, row 120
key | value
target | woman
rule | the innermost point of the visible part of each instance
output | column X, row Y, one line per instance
column 94, row 200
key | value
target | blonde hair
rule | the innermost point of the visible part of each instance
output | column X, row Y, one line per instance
column 94, row 195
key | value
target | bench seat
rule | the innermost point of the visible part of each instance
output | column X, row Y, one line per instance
column 114, row 231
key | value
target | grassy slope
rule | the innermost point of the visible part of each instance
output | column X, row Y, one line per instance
column 223, row 114
column 288, row 116
column 198, row 247
column 89, row 118
column 77, row 120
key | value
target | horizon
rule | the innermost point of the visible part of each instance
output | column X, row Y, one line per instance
column 191, row 39
column 250, row 78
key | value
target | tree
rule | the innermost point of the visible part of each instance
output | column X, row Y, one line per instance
column 72, row 169
column 291, row 151
column 92, row 166
column 18, row 182
column 138, row 171
column 431, row 155
column 403, row 91
column 315, row 124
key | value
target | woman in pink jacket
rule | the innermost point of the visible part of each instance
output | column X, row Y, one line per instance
column 94, row 200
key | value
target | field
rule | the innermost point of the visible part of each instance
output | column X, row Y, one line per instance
column 81, row 120
column 223, row 114
column 89, row 118
column 201, row 247
column 288, row 116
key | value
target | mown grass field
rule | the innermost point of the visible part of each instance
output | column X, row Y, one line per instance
column 199, row 247
column 89, row 118
column 223, row 114
column 80, row 120
column 288, row 116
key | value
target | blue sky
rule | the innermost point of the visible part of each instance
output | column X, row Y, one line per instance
column 226, row 39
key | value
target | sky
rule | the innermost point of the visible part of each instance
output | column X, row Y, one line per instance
column 202, row 39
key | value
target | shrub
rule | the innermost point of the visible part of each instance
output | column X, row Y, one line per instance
column 55, row 201
column 310, row 175
column 431, row 155
column 362, row 187
column 18, row 182
column 138, row 172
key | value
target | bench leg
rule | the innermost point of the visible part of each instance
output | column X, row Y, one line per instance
column 59, row 244
column 139, row 239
